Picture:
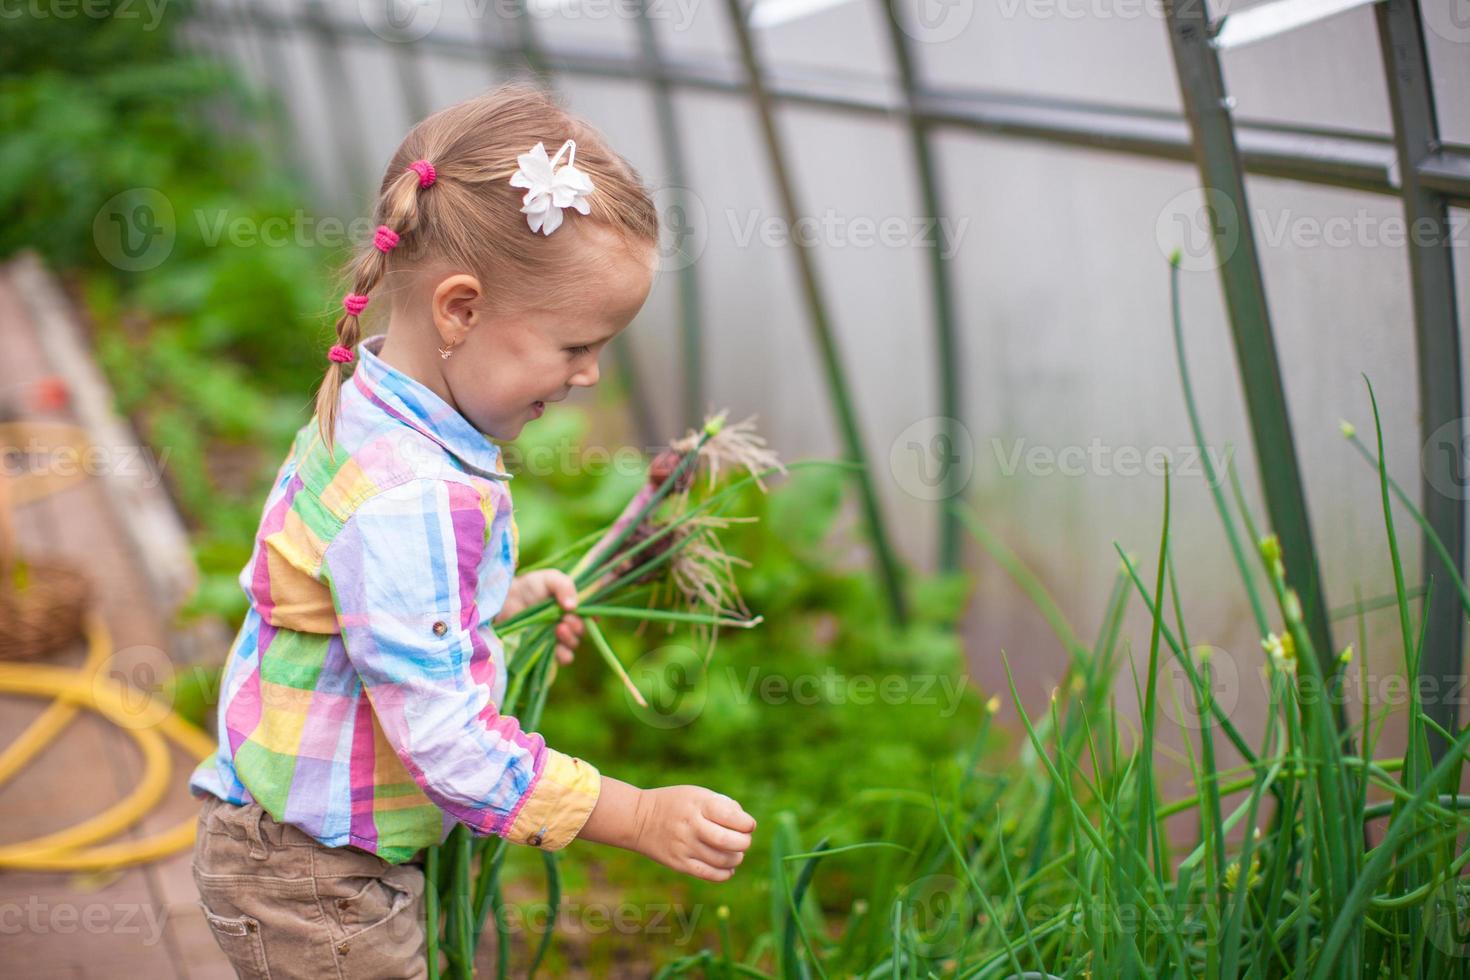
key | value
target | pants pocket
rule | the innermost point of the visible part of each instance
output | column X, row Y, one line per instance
column 239, row 939
column 374, row 901
column 380, row 920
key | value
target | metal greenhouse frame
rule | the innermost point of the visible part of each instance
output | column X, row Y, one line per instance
column 1412, row 164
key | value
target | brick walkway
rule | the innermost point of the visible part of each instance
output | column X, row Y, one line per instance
column 141, row 922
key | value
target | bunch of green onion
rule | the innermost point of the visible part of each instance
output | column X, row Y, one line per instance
column 662, row 545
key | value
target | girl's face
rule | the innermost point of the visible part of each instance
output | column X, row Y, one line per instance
column 506, row 368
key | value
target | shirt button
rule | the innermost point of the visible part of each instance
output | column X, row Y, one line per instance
column 536, row 839
column 440, row 628
column 342, row 948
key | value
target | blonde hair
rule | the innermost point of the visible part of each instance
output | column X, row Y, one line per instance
column 470, row 216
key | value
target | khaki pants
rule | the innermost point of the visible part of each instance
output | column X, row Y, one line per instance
column 283, row 905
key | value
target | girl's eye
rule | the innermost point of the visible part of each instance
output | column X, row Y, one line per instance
column 579, row 350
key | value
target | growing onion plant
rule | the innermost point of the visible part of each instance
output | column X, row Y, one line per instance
column 1316, row 855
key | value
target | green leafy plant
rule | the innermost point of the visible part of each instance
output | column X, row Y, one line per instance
column 197, row 345
column 1309, row 859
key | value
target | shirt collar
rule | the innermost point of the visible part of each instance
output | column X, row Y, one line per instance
column 415, row 404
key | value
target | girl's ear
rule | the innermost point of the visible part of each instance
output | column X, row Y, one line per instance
column 454, row 306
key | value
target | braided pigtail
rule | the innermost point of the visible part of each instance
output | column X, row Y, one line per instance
column 399, row 215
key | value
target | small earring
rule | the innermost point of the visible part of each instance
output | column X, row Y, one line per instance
column 444, row 352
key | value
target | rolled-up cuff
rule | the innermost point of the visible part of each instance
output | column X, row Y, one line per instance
column 559, row 805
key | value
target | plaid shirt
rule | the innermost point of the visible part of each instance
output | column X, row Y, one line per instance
column 359, row 701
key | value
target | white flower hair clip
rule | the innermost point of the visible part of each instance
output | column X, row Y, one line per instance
column 551, row 188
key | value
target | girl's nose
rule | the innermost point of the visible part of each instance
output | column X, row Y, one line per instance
column 586, row 378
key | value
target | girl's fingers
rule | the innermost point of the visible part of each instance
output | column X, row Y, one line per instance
column 702, row 870
column 727, row 812
column 568, row 635
column 723, row 838
column 564, row 655
column 563, row 589
column 716, row 858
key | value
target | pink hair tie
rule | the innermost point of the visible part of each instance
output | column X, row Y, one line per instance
column 385, row 238
column 425, row 170
column 340, row 354
column 354, row 303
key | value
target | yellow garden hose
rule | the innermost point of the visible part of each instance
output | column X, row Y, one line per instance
column 75, row 848
column 87, row 687
column 58, row 715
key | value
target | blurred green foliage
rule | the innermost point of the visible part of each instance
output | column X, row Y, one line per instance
column 203, row 347
column 790, row 716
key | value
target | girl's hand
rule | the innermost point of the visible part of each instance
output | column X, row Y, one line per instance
column 693, row 830
column 533, row 587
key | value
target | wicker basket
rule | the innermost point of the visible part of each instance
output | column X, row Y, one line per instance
column 43, row 600
column 47, row 614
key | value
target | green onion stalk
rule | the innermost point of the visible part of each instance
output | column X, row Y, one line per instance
column 662, row 545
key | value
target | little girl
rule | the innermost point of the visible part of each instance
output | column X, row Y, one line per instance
column 358, row 716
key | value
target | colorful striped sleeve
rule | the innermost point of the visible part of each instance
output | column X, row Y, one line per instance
column 405, row 572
